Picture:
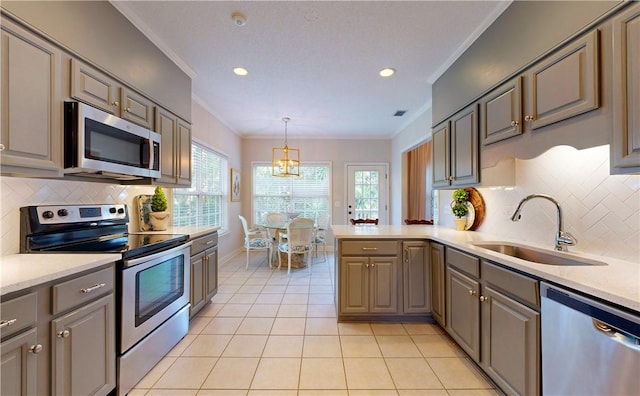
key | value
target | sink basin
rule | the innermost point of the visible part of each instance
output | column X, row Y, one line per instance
column 534, row 255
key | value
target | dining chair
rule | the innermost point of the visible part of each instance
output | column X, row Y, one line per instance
column 322, row 224
column 299, row 240
column 414, row 221
column 255, row 240
column 364, row 221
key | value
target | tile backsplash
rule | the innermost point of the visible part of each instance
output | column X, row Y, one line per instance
column 601, row 210
column 16, row 192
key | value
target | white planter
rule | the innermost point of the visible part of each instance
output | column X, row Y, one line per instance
column 159, row 220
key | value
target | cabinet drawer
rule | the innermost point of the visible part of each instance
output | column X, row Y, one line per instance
column 18, row 313
column 75, row 292
column 370, row 248
column 464, row 262
column 518, row 286
column 204, row 242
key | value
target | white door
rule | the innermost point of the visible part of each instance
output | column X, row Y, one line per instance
column 367, row 192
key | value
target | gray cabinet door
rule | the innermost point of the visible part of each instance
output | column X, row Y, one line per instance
column 18, row 364
column 83, row 355
column 93, row 87
column 354, row 285
column 565, row 84
column 183, row 152
column 416, row 273
column 31, row 104
column 441, row 156
column 197, row 283
column 464, row 147
column 383, row 274
column 501, row 112
column 167, row 126
column 510, row 343
column 136, row 108
column 626, row 89
column 211, row 273
column 463, row 312
column 436, row 255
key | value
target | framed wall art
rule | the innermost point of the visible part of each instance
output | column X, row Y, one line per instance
column 235, row 185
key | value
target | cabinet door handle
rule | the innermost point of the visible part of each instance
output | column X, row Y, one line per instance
column 127, row 109
column 372, row 265
column 92, row 288
column 1, row 147
column 514, row 123
column 484, row 299
column 116, row 103
column 5, row 323
column 63, row 334
column 529, row 118
column 367, row 265
column 367, row 249
column 472, row 292
column 35, row 348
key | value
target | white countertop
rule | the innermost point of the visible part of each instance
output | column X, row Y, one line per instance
column 617, row 282
column 193, row 232
column 21, row 271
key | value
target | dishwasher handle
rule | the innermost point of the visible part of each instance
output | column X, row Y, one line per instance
column 616, row 334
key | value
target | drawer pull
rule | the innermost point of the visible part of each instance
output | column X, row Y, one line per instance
column 63, row 334
column 369, row 249
column 92, row 288
column 5, row 323
column 209, row 242
column 35, row 348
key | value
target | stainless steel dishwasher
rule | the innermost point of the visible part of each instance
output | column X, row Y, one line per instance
column 588, row 348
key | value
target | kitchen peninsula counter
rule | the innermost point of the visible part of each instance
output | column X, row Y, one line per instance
column 617, row 282
column 22, row 271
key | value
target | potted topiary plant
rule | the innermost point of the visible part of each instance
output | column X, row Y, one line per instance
column 159, row 217
column 459, row 208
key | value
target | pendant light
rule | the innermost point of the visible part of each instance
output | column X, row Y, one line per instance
column 285, row 161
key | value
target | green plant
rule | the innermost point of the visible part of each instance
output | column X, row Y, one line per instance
column 460, row 210
column 460, row 195
column 158, row 201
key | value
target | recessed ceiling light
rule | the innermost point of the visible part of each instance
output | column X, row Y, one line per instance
column 241, row 71
column 387, row 72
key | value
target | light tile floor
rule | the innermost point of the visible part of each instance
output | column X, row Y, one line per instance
column 266, row 333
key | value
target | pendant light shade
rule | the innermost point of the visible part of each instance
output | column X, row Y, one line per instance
column 285, row 161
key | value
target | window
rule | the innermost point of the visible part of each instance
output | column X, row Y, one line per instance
column 205, row 203
column 307, row 195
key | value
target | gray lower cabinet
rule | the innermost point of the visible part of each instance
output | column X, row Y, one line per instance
column 18, row 369
column 368, row 285
column 416, row 275
column 176, row 149
column 625, row 148
column 83, row 352
column 438, row 281
column 31, row 111
column 204, row 271
column 493, row 314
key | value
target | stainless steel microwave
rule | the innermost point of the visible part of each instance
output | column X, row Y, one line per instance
column 99, row 144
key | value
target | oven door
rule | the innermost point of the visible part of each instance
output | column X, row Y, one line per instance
column 154, row 288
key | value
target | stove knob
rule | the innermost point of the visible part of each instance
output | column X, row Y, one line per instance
column 47, row 214
column 112, row 210
column 121, row 210
column 63, row 212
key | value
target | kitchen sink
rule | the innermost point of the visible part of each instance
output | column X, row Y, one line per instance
column 534, row 255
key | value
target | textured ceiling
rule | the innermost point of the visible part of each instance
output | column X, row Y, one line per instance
column 314, row 61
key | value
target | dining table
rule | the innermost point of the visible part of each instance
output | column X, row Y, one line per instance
column 274, row 230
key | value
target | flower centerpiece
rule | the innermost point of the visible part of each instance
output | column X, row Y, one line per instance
column 459, row 208
column 159, row 217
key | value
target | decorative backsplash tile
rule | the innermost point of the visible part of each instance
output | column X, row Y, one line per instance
column 17, row 192
column 602, row 211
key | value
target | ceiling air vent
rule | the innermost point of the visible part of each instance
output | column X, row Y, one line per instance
column 399, row 113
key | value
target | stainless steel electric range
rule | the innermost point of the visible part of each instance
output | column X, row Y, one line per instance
column 152, row 291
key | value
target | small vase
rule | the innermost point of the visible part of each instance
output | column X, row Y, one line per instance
column 159, row 220
column 461, row 222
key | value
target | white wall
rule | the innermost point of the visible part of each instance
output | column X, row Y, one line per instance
column 416, row 133
column 602, row 211
column 208, row 129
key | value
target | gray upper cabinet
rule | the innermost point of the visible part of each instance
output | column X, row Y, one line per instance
column 416, row 274
column 455, row 150
column 96, row 88
column 501, row 112
column 31, row 122
column 564, row 84
column 176, row 149
column 625, row 149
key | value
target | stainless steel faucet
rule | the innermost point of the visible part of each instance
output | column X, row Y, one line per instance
column 563, row 239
